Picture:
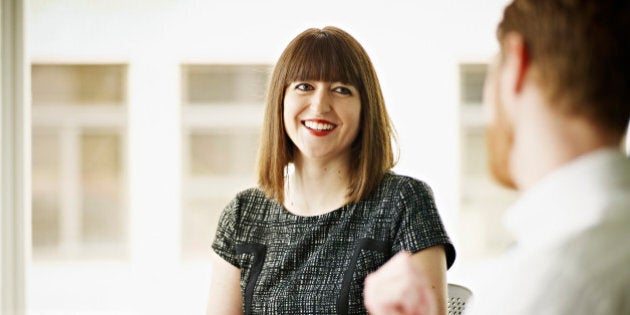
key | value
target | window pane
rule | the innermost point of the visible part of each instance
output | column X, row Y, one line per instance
column 45, row 185
column 103, row 216
column 78, row 84
column 221, row 164
column 221, row 84
column 472, row 80
column 223, row 154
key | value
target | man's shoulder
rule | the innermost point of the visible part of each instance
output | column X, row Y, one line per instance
column 592, row 275
column 601, row 248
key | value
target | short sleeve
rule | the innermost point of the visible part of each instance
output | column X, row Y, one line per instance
column 224, row 243
column 419, row 224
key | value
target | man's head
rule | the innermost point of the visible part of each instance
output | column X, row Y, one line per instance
column 576, row 54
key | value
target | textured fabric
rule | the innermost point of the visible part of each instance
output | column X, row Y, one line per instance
column 317, row 265
column 572, row 254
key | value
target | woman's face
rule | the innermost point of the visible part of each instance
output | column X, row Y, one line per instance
column 322, row 118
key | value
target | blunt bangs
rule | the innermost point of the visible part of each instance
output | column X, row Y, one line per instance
column 322, row 55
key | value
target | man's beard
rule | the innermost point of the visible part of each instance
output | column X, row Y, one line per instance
column 500, row 141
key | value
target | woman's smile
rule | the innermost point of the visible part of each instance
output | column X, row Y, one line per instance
column 319, row 127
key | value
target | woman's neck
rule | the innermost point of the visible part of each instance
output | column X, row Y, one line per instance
column 317, row 187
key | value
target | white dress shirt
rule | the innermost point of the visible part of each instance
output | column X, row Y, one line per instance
column 572, row 254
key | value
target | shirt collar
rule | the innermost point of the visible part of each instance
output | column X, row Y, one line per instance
column 569, row 200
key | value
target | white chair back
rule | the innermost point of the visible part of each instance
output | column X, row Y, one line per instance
column 458, row 297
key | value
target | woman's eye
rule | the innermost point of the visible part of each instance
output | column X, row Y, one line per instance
column 343, row 90
column 304, row 87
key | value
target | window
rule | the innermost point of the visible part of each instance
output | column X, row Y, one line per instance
column 222, row 111
column 482, row 200
column 78, row 192
column 472, row 77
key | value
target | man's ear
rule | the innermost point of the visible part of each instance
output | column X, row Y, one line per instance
column 516, row 61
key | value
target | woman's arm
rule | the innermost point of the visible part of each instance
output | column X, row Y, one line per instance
column 409, row 284
column 225, row 289
column 431, row 263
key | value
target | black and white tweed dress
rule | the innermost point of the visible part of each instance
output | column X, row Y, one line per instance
column 317, row 265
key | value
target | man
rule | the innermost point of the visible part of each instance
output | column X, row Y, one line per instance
column 558, row 95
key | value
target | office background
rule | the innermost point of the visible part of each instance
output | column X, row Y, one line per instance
column 145, row 121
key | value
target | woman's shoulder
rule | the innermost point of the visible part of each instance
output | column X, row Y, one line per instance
column 250, row 202
column 396, row 184
column 249, row 193
column 252, row 195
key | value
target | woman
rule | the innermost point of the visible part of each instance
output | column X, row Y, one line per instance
column 304, row 241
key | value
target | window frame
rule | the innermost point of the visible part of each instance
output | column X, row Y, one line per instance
column 212, row 117
column 72, row 121
column 15, row 158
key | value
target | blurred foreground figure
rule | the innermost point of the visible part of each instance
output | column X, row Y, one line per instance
column 558, row 95
column 558, row 98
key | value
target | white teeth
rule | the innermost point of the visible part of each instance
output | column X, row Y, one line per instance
column 318, row 126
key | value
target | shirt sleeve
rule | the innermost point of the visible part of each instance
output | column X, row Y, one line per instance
column 419, row 224
column 224, row 243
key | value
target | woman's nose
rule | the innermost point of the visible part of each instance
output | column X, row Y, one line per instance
column 320, row 101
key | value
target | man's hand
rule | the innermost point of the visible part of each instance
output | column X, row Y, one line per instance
column 399, row 287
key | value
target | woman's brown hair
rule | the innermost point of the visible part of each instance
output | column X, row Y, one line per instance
column 332, row 55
